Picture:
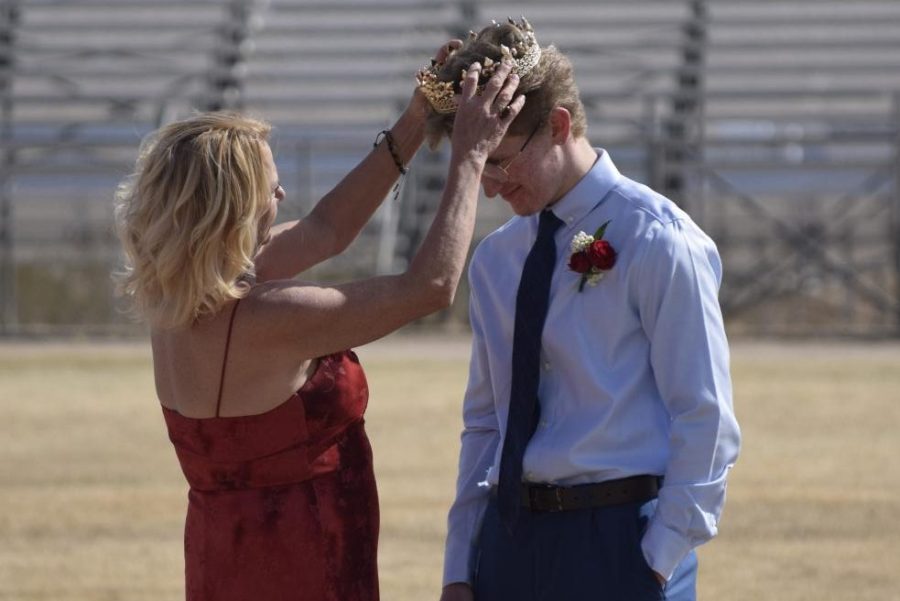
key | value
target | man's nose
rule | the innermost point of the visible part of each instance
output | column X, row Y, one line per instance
column 490, row 187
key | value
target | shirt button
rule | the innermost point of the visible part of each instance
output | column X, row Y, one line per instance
column 543, row 423
column 547, row 366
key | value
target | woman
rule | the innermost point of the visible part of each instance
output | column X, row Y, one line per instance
column 263, row 402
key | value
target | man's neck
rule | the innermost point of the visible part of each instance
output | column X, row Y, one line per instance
column 578, row 158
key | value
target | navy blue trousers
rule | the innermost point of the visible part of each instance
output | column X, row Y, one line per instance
column 586, row 555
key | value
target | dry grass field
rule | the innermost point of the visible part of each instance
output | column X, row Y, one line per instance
column 92, row 501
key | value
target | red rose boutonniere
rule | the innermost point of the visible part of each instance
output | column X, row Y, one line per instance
column 592, row 256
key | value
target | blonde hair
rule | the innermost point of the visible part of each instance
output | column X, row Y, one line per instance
column 549, row 85
column 192, row 215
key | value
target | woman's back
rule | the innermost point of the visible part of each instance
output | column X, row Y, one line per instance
column 191, row 369
column 259, row 522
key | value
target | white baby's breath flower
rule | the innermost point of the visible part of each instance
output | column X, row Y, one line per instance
column 581, row 241
column 594, row 278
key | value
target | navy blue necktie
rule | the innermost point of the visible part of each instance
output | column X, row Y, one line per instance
column 532, row 302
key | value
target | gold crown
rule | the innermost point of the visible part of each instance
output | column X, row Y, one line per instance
column 524, row 56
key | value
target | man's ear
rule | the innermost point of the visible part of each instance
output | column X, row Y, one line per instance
column 560, row 124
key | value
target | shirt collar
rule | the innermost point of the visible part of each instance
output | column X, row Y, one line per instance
column 588, row 192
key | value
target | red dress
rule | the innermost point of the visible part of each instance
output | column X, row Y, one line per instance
column 282, row 505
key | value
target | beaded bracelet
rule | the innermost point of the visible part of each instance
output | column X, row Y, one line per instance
column 386, row 133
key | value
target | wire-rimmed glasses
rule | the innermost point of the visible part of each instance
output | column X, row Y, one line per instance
column 497, row 170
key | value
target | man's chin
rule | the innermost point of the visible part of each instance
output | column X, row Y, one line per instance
column 517, row 202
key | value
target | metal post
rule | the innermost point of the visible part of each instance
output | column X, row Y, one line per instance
column 680, row 130
column 306, row 176
column 9, row 13
column 653, row 157
column 226, row 81
column 422, row 190
column 387, row 236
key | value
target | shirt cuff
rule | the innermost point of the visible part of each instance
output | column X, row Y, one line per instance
column 458, row 561
column 664, row 548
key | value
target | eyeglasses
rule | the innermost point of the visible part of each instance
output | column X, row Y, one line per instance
column 497, row 171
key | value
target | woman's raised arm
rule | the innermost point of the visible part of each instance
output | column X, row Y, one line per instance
column 316, row 320
column 340, row 215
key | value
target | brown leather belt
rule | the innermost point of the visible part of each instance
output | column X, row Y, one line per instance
column 546, row 497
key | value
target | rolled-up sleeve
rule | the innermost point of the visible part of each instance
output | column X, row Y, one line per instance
column 479, row 442
column 680, row 274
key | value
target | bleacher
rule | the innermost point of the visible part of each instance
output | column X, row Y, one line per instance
column 774, row 123
column 88, row 81
column 81, row 83
column 798, row 169
column 330, row 76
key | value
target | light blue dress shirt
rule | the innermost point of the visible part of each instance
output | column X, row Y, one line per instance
column 635, row 377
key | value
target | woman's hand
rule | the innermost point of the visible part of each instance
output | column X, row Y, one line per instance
column 446, row 50
column 418, row 104
column 482, row 117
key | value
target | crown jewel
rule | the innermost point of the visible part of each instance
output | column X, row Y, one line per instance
column 524, row 56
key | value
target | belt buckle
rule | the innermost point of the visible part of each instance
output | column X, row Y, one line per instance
column 547, row 502
column 545, row 497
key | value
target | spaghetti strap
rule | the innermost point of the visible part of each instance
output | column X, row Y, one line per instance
column 225, row 358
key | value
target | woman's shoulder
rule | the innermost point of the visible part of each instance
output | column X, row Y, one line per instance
column 298, row 300
column 274, row 294
column 270, row 301
column 282, row 313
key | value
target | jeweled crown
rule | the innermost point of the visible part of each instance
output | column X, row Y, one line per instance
column 525, row 56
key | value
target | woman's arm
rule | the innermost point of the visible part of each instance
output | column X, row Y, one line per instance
column 316, row 320
column 341, row 214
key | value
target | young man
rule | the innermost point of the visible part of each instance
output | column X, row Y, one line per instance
column 599, row 427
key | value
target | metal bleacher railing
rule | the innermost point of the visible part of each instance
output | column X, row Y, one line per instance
column 795, row 168
column 775, row 124
column 82, row 83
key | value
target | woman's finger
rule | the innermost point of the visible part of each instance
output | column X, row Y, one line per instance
column 512, row 110
column 446, row 50
column 492, row 87
column 470, row 82
column 506, row 93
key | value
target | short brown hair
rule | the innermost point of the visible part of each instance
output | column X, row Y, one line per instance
column 549, row 85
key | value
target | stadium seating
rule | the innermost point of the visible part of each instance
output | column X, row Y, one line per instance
column 770, row 121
